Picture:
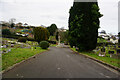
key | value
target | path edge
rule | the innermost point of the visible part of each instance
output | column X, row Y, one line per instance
column 104, row 63
column 17, row 64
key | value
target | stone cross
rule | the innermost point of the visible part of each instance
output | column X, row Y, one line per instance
column 59, row 39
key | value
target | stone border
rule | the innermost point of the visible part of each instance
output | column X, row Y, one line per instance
column 17, row 64
column 109, row 65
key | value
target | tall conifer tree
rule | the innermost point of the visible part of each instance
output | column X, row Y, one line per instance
column 83, row 25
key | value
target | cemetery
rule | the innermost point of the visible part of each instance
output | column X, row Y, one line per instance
column 14, row 52
column 106, row 52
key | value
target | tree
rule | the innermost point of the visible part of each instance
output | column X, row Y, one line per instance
column 11, row 22
column 6, row 32
column 63, row 36
column 103, row 31
column 119, row 38
column 40, row 34
column 12, row 25
column 57, row 33
column 83, row 25
column 52, row 29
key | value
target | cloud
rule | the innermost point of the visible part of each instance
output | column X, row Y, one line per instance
column 46, row 12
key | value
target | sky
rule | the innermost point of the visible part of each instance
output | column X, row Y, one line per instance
column 47, row 12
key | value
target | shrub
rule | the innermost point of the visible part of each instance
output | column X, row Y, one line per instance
column 30, row 39
column 52, row 42
column 44, row 44
column 22, row 39
column 6, row 32
column 40, row 34
column 12, row 36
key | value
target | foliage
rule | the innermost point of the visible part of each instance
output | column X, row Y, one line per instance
column 52, row 38
column 63, row 36
column 101, row 40
column 119, row 38
column 30, row 39
column 52, row 29
column 22, row 39
column 105, row 59
column 12, row 25
column 12, row 36
column 6, row 32
column 56, row 36
column 40, row 34
column 52, row 42
column 83, row 25
column 44, row 44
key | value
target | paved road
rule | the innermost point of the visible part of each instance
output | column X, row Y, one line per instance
column 60, row 63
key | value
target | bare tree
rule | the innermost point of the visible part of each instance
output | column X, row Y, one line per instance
column 11, row 21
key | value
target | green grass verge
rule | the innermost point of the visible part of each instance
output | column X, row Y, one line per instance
column 17, row 55
column 106, row 59
column 53, row 45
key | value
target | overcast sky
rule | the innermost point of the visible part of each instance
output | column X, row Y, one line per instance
column 46, row 12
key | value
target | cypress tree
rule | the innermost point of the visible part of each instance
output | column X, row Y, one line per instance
column 83, row 25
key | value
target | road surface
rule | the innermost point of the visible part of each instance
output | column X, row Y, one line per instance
column 60, row 63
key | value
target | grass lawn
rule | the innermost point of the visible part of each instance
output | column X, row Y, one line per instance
column 106, row 59
column 17, row 55
column 53, row 45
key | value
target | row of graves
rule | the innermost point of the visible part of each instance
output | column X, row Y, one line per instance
column 7, row 46
column 105, row 49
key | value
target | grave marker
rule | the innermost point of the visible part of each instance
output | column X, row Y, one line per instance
column 111, row 53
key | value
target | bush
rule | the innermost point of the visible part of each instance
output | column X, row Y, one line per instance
column 22, row 39
column 52, row 42
column 30, row 39
column 6, row 32
column 40, row 34
column 44, row 44
column 12, row 36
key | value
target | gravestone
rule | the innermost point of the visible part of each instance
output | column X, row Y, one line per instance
column 4, row 46
column 111, row 53
column 103, row 49
column 118, row 51
column 12, row 45
column 118, row 46
column 102, row 52
column 9, row 50
column 77, row 48
column 73, row 46
column 22, row 46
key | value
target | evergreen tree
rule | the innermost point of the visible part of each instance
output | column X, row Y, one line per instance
column 52, row 29
column 40, row 34
column 83, row 25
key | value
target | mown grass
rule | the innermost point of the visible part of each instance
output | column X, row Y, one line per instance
column 17, row 55
column 53, row 45
column 106, row 59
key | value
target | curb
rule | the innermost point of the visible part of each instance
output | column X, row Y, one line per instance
column 109, row 65
column 17, row 64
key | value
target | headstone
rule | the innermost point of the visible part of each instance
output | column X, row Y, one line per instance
column 77, row 48
column 12, row 45
column 111, row 53
column 103, row 49
column 4, row 46
column 118, row 46
column 22, row 46
column 9, row 50
column 118, row 51
column 73, row 46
